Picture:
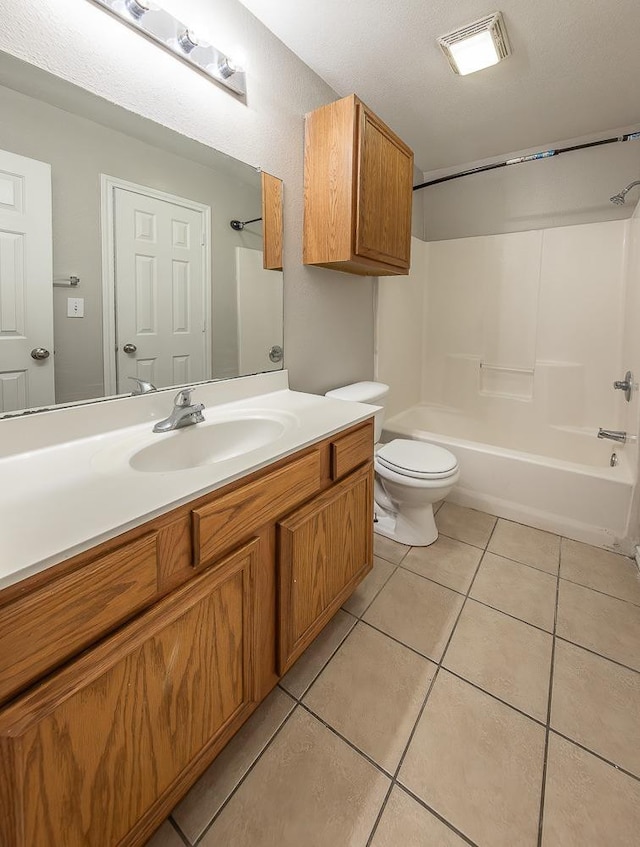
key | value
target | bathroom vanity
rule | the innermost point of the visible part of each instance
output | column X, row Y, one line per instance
column 127, row 666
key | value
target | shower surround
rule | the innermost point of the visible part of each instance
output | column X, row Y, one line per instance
column 503, row 349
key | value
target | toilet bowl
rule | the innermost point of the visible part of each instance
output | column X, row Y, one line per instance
column 410, row 476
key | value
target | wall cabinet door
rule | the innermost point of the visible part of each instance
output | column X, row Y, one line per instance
column 87, row 753
column 325, row 550
column 384, row 196
column 358, row 195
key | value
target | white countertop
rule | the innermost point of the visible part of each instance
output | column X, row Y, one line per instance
column 65, row 479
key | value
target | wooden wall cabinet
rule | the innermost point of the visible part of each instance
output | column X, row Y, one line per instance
column 124, row 671
column 358, row 178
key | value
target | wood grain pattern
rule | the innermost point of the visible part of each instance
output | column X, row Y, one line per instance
column 329, row 182
column 357, row 192
column 384, row 195
column 351, row 450
column 272, row 222
column 227, row 520
column 43, row 629
column 89, row 752
column 175, row 554
column 326, row 549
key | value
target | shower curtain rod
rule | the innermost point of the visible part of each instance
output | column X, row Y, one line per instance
column 544, row 154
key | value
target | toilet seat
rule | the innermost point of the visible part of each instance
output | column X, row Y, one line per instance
column 417, row 459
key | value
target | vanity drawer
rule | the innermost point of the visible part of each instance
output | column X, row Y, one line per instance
column 226, row 521
column 352, row 450
column 48, row 626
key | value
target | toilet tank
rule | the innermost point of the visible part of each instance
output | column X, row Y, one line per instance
column 374, row 393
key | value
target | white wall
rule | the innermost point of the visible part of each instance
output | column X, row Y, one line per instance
column 328, row 316
column 569, row 189
column 399, row 331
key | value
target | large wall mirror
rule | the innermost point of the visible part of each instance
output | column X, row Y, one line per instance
column 117, row 257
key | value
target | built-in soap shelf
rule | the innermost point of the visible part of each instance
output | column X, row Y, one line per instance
column 503, row 381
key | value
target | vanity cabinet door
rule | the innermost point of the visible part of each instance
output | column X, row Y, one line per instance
column 127, row 727
column 325, row 550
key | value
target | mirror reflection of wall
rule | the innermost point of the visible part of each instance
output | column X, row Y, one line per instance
column 81, row 152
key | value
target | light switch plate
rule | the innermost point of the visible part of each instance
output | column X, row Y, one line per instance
column 75, row 307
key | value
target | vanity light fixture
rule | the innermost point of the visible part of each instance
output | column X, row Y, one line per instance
column 151, row 20
column 476, row 46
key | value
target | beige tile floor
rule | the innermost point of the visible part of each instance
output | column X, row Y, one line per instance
column 482, row 691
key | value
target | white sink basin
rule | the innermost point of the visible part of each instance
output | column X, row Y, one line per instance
column 206, row 443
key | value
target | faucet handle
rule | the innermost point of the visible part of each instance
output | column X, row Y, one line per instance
column 143, row 386
column 183, row 398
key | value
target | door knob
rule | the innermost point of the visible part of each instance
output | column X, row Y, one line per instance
column 129, row 348
column 40, row 353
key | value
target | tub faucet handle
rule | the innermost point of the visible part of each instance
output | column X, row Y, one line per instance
column 625, row 385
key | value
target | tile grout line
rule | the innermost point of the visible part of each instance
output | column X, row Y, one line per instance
column 475, row 599
column 602, row 593
column 594, row 753
column 543, row 786
column 240, row 782
column 324, row 665
column 579, row 744
column 455, row 673
column 394, row 780
column 375, row 597
column 178, row 831
column 595, row 653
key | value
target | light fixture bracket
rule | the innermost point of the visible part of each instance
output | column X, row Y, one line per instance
column 173, row 35
column 492, row 24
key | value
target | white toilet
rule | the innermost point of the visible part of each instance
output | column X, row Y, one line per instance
column 410, row 475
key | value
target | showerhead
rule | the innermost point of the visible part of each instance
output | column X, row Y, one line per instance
column 619, row 198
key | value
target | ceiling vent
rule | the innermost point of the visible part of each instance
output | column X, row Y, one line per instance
column 476, row 46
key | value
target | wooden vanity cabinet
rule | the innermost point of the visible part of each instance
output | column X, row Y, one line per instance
column 323, row 556
column 358, row 195
column 178, row 629
column 99, row 744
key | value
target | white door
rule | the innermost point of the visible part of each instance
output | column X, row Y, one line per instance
column 260, row 295
column 159, row 290
column 26, row 283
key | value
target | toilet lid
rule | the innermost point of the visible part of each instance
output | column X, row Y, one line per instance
column 417, row 459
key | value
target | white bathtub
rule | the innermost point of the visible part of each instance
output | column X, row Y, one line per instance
column 567, row 486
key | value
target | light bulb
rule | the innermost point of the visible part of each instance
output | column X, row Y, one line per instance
column 227, row 67
column 137, row 8
column 187, row 41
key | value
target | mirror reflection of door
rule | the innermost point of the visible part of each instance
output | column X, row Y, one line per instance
column 260, row 296
column 26, row 284
column 161, row 288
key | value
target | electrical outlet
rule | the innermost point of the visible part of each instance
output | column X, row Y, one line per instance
column 75, row 307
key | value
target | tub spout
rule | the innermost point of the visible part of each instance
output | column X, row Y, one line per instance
column 613, row 434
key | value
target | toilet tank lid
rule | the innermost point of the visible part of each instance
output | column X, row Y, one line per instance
column 361, row 392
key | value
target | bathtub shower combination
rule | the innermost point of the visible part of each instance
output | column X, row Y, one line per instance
column 504, row 350
column 574, row 492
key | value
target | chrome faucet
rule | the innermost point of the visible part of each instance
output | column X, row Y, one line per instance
column 613, row 434
column 142, row 386
column 625, row 385
column 184, row 413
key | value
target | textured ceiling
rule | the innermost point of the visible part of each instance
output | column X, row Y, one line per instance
column 574, row 71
